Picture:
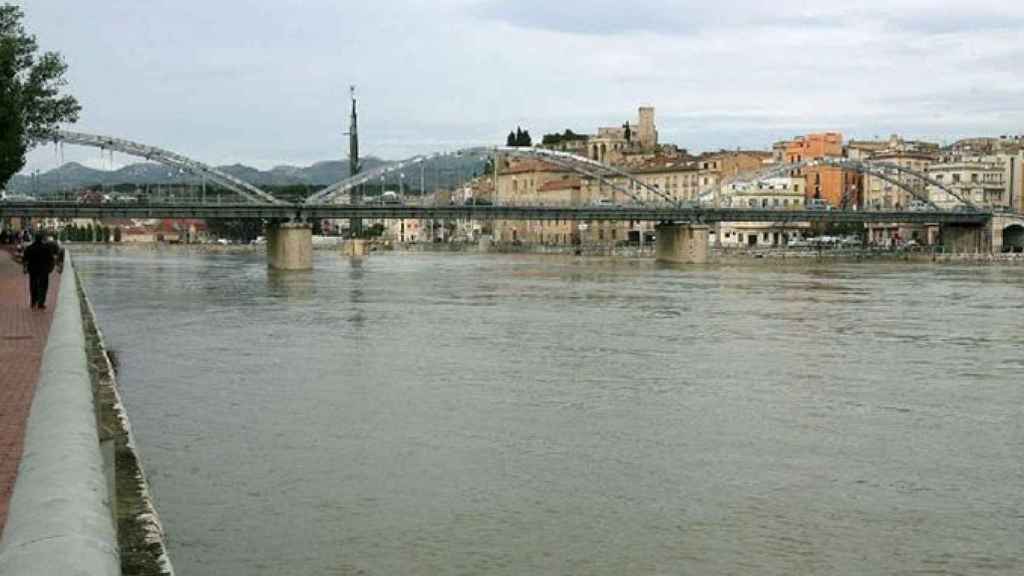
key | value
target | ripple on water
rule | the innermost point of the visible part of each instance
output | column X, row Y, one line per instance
column 511, row 415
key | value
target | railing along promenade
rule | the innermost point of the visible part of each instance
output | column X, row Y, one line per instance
column 60, row 520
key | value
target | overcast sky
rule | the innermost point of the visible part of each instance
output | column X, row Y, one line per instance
column 266, row 82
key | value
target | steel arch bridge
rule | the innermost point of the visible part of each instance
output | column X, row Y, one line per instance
column 579, row 164
column 167, row 158
column 886, row 171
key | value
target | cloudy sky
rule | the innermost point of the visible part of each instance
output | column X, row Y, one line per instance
column 266, row 82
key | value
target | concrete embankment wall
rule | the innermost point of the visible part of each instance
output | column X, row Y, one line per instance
column 81, row 503
column 60, row 518
column 140, row 535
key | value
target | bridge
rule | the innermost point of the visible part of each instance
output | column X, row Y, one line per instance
column 304, row 213
column 289, row 229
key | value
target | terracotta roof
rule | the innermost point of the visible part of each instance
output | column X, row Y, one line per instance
column 526, row 166
column 560, row 184
column 720, row 153
column 662, row 164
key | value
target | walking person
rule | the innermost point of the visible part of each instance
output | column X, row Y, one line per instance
column 39, row 259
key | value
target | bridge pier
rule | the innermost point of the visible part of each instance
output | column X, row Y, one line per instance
column 963, row 239
column 356, row 248
column 682, row 243
column 289, row 246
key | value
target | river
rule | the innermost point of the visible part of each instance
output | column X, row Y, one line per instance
column 509, row 415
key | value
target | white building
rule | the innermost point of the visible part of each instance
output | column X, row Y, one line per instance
column 781, row 193
column 980, row 180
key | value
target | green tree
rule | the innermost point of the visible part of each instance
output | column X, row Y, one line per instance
column 31, row 106
column 117, row 234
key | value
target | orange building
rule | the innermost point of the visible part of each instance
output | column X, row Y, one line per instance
column 814, row 146
column 838, row 187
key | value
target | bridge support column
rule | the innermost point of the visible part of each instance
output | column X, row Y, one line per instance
column 963, row 239
column 356, row 248
column 682, row 243
column 931, row 234
column 290, row 246
column 994, row 235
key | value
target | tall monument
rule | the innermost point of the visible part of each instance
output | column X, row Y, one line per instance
column 648, row 134
column 355, row 224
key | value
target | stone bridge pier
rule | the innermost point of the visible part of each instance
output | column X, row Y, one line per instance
column 682, row 243
column 289, row 246
column 1007, row 232
column 1002, row 233
column 965, row 239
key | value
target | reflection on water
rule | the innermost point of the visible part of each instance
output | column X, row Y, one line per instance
column 543, row 415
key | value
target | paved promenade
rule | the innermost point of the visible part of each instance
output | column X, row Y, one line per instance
column 23, row 334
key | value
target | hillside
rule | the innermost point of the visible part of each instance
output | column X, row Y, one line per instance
column 442, row 172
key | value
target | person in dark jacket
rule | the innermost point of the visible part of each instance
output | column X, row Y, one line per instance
column 39, row 259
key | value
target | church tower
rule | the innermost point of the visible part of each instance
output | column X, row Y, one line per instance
column 647, row 134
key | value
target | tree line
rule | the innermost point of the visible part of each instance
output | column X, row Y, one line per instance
column 519, row 138
column 89, row 233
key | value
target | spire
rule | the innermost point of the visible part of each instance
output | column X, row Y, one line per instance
column 353, row 138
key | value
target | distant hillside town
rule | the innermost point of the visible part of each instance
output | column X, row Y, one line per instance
column 985, row 170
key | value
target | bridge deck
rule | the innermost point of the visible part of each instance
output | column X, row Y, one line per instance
column 321, row 211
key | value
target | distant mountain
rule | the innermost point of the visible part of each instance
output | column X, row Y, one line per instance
column 74, row 176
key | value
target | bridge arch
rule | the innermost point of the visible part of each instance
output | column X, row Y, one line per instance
column 167, row 158
column 1013, row 237
column 588, row 167
column 886, row 171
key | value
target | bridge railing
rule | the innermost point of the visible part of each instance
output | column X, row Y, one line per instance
column 59, row 520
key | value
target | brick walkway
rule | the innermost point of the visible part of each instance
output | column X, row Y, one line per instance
column 23, row 334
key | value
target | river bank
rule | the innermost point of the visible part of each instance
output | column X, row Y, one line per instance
column 731, row 256
column 140, row 535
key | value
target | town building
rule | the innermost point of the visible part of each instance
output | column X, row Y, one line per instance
column 980, row 180
column 838, row 187
column 780, row 193
column 1015, row 180
column 524, row 183
column 880, row 193
column 716, row 170
column 611, row 144
column 870, row 149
